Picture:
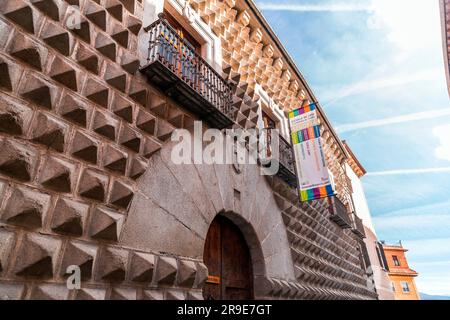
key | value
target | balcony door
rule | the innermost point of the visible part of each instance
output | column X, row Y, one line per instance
column 227, row 257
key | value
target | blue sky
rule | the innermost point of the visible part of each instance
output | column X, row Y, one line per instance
column 377, row 68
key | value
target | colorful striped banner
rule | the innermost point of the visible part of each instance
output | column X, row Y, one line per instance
column 312, row 172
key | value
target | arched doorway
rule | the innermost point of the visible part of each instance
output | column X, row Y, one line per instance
column 228, row 259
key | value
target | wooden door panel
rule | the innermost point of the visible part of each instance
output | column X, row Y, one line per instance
column 212, row 259
column 227, row 256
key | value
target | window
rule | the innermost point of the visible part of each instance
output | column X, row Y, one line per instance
column 382, row 256
column 183, row 33
column 393, row 286
column 405, row 286
column 396, row 261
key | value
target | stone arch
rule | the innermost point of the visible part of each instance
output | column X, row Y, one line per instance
column 175, row 204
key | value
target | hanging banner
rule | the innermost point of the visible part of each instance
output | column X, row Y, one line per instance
column 312, row 172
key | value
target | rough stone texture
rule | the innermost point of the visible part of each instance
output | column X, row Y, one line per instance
column 86, row 177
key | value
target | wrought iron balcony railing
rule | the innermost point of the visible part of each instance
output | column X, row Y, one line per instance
column 177, row 69
column 284, row 157
column 358, row 227
column 340, row 214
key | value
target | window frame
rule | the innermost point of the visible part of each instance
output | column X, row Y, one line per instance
column 408, row 289
column 396, row 261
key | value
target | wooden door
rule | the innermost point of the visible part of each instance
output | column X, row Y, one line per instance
column 228, row 260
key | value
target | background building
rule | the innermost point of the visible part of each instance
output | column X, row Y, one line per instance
column 88, row 102
column 401, row 276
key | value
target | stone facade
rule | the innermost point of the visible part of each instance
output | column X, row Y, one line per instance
column 85, row 171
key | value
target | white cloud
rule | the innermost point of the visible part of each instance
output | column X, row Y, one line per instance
column 409, row 171
column 443, row 134
column 411, row 24
column 402, row 119
column 388, row 81
column 330, row 7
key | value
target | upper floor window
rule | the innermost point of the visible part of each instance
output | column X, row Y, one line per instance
column 396, row 261
column 405, row 286
column 393, row 286
column 183, row 33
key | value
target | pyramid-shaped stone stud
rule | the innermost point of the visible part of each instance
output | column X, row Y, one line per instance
column 84, row 147
column 142, row 267
column 174, row 295
column 17, row 160
column 96, row 14
column 165, row 271
column 69, row 217
column 116, row 77
column 129, row 5
column 20, row 13
column 87, row 59
column 158, row 107
column 201, row 275
column 50, row 292
column 123, row 108
column 90, row 294
column 115, row 9
column 164, row 130
column 146, row 122
column 83, row 31
column 195, row 295
column 26, row 207
column 152, row 295
column 5, row 78
column 14, row 117
column 175, row 117
column 12, row 291
column 186, row 273
column 138, row 92
column 106, row 46
column 129, row 63
column 112, row 265
column 134, row 25
column 121, row 194
column 105, row 125
column 49, row 131
column 79, row 254
column 130, row 139
column 64, row 74
column 106, row 224
column 7, row 241
column 37, row 91
column 92, row 185
column 48, row 7
column 120, row 35
column 56, row 175
column 150, row 147
column 97, row 93
column 36, row 256
column 27, row 51
column 123, row 294
column 137, row 168
column 74, row 110
column 114, row 159
column 57, row 38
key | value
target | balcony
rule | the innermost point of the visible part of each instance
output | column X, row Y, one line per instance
column 358, row 227
column 175, row 68
column 340, row 214
column 284, row 158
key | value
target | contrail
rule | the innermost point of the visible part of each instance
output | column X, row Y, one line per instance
column 314, row 7
column 394, row 120
column 409, row 171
